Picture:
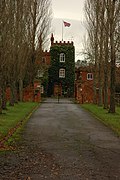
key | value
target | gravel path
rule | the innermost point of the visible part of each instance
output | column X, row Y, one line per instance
column 62, row 141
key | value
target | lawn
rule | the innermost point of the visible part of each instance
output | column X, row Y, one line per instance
column 10, row 117
column 111, row 120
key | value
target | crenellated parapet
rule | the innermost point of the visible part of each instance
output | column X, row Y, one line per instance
column 60, row 43
column 46, row 52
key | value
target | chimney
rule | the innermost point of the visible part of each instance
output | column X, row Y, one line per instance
column 52, row 39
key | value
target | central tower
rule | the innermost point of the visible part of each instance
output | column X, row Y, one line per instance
column 62, row 68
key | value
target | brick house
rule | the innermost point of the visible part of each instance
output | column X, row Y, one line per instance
column 84, row 85
column 82, row 79
column 84, row 92
column 68, row 80
column 61, row 60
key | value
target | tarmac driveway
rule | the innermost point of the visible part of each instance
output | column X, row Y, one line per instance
column 62, row 141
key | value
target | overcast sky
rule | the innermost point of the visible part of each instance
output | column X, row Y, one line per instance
column 71, row 11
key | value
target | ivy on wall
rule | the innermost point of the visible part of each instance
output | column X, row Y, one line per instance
column 69, row 66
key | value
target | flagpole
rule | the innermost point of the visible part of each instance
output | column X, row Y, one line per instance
column 62, row 30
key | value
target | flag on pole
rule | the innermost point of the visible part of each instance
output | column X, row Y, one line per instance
column 66, row 24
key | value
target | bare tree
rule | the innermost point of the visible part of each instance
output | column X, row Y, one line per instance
column 92, row 10
column 113, row 11
column 24, row 27
column 40, row 20
column 103, row 32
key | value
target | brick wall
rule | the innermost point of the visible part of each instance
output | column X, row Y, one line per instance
column 83, row 87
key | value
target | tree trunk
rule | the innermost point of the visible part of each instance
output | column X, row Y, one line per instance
column 112, row 57
column 4, row 101
column 15, row 93
column 12, row 95
column 105, row 89
column 101, row 57
column 99, row 84
column 96, row 54
column 94, row 89
column 0, row 102
column 112, row 85
column 21, row 90
column 106, row 71
column 100, row 102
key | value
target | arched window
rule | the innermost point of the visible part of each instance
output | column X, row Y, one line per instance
column 61, row 73
column 89, row 76
column 62, row 57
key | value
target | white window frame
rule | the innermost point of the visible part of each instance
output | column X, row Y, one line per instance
column 39, row 73
column 61, row 73
column 89, row 76
column 62, row 57
column 41, row 89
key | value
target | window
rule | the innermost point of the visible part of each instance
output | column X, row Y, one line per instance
column 39, row 73
column 89, row 76
column 62, row 57
column 61, row 73
column 43, row 60
column 41, row 89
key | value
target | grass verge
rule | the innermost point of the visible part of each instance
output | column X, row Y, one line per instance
column 13, row 119
column 111, row 120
